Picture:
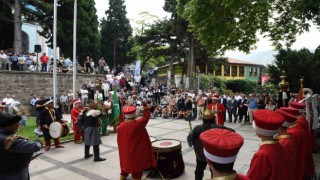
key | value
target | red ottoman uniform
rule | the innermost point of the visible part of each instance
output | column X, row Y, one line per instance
column 271, row 160
column 74, row 115
column 219, row 109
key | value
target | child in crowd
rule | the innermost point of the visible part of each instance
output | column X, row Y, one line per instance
column 23, row 120
column 174, row 113
column 165, row 112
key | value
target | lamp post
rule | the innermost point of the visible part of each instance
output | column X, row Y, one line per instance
column 74, row 75
column 55, row 4
column 198, row 79
column 171, row 62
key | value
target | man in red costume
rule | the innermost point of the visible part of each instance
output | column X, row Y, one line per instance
column 75, row 111
column 309, row 169
column 271, row 160
column 221, row 147
column 218, row 109
column 135, row 150
column 288, row 143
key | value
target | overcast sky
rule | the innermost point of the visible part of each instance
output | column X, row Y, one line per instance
column 309, row 40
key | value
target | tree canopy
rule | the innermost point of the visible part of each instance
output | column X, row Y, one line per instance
column 296, row 64
column 115, row 34
column 234, row 25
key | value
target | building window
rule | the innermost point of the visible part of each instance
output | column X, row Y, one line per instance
column 251, row 71
column 241, row 71
column 234, row 71
column 218, row 70
column 255, row 72
column 226, row 70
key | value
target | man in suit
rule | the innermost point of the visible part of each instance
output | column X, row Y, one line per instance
column 243, row 108
column 232, row 105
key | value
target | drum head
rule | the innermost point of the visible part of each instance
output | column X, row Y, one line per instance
column 166, row 145
column 55, row 130
column 152, row 139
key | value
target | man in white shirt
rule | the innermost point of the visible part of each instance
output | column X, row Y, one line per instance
column 132, row 69
column 8, row 101
column 105, row 86
column 137, row 79
column 3, row 60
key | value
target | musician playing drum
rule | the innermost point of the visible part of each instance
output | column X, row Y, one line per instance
column 49, row 115
column 135, row 150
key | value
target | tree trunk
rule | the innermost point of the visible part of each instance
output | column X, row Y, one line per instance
column 17, row 43
column 114, row 52
column 192, row 59
column 170, row 70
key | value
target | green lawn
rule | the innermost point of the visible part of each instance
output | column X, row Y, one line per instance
column 31, row 125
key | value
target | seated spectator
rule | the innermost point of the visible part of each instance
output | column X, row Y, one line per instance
column 165, row 112
column 181, row 113
column 174, row 113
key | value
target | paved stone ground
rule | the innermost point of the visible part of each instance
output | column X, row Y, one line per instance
column 69, row 164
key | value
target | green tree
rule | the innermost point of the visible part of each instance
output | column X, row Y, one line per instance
column 6, row 28
column 115, row 34
column 234, row 25
column 88, row 37
column 296, row 64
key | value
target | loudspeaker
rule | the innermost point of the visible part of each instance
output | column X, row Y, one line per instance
column 37, row 48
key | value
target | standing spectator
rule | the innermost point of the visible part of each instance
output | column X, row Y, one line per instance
column 64, row 102
column 3, row 59
column 122, row 82
column 84, row 95
column 102, row 63
column 44, row 62
column 232, row 108
column 105, row 87
column 181, row 103
column 14, row 61
column 22, row 62
column 92, row 66
column 252, row 106
column 15, row 151
column 200, row 106
column 33, row 103
column 87, row 64
column 243, row 108
column 137, row 79
column 38, row 108
column 67, row 63
column 28, row 62
column 173, row 89
column 132, row 69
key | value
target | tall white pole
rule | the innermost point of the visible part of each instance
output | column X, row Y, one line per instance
column 55, row 4
column 74, row 50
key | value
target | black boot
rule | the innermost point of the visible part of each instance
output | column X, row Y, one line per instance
column 86, row 152
column 96, row 152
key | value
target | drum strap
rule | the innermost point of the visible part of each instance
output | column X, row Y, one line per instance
column 52, row 114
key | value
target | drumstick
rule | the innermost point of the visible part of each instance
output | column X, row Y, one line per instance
column 190, row 126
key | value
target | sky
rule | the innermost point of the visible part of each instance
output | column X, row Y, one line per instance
column 263, row 54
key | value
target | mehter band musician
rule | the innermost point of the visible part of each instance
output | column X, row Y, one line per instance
column 75, row 111
column 135, row 150
column 49, row 115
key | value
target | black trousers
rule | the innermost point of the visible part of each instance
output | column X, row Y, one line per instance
column 201, row 166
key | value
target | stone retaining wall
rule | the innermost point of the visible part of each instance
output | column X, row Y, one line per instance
column 22, row 85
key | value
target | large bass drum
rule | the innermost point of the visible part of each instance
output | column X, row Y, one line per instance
column 59, row 129
column 169, row 158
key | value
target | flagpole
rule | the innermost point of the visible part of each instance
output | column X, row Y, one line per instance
column 74, row 50
column 55, row 53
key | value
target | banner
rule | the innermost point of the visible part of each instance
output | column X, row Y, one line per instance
column 115, row 113
column 264, row 79
column 138, row 68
